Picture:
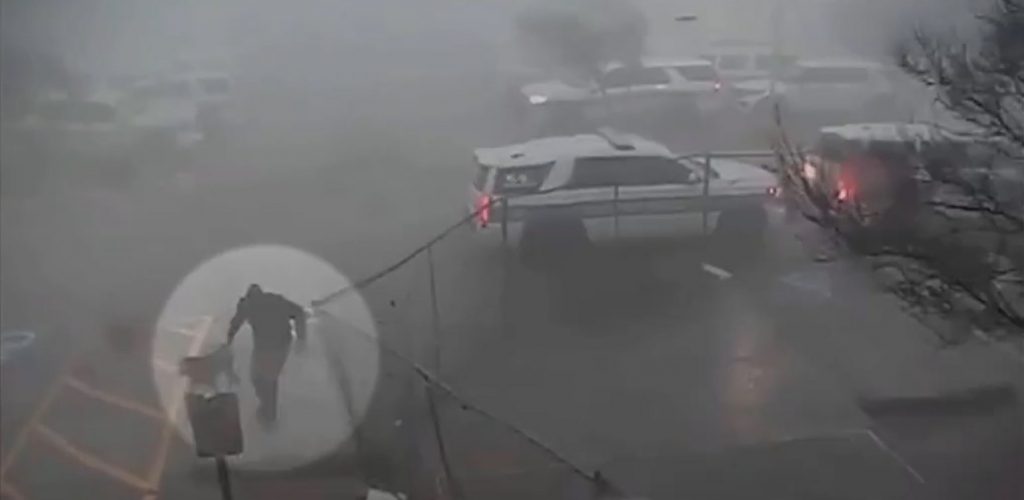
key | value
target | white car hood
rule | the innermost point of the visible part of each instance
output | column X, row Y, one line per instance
column 165, row 115
column 555, row 90
column 743, row 175
column 759, row 85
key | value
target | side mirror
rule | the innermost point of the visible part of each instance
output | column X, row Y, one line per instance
column 695, row 177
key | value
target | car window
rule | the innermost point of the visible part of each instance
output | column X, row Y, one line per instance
column 832, row 75
column 628, row 76
column 521, row 179
column 733, row 62
column 628, row 171
column 82, row 112
column 217, row 86
column 698, row 72
column 177, row 89
column 771, row 62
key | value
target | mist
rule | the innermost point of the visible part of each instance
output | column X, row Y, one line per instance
column 351, row 128
column 370, row 105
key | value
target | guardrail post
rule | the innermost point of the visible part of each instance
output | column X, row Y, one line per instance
column 704, row 194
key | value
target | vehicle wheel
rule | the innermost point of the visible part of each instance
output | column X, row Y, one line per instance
column 552, row 240
column 740, row 233
column 764, row 116
column 685, row 110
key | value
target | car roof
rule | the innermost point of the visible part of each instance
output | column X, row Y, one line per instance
column 105, row 97
column 838, row 62
column 549, row 149
column 882, row 131
column 676, row 61
column 195, row 75
column 662, row 62
column 741, row 42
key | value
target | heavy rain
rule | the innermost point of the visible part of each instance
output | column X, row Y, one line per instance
column 451, row 249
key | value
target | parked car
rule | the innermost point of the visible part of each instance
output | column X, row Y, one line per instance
column 568, row 192
column 843, row 89
column 676, row 88
column 858, row 167
column 102, row 134
column 743, row 61
column 205, row 95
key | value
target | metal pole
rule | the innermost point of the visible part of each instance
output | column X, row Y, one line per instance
column 223, row 478
column 776, row 19
column 434, row 312
column 704, row 194
column 454, row 487
column 615, row 211
column 504, row 221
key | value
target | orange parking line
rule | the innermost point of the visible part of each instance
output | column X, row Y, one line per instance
column 183, row 331
column 89, row 460
column 21, row 438
column 11, row 492
column 156, row 470
column 165, row 366
column 118, row 401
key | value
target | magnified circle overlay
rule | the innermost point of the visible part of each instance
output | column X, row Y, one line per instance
column 324, row 391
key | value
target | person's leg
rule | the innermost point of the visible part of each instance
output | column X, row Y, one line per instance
column 267, row 366
column 259, row 380
column 270, row 399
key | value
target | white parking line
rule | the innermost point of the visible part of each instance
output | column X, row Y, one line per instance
column 718, row 272
column 1003, row 348
column 881, row 445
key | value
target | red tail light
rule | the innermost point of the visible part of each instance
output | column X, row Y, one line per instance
column 845, row 185
column 845, row 192
column 483, row 209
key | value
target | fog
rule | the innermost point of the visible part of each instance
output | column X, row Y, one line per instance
column 376, row 104
column 383, row 97
column 353, row 129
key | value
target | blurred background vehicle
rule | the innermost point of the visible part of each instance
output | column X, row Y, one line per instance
column 656, row 90
column 836, row 90
column 738, row 61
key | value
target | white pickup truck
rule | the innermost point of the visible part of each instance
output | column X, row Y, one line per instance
column 611, row 187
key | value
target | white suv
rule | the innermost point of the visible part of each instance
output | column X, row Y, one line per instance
column 611, row 186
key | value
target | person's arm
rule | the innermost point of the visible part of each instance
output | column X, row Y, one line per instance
column 298, row 316
column 237, row 320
